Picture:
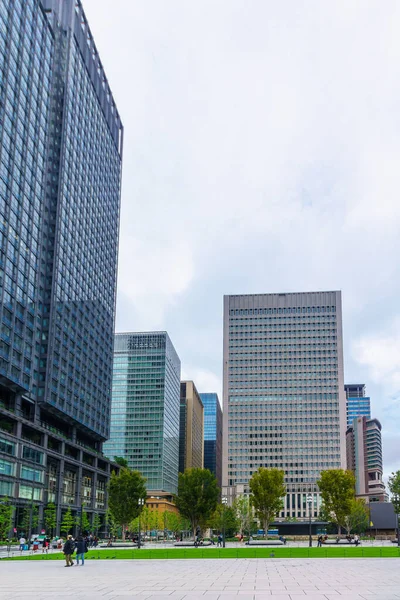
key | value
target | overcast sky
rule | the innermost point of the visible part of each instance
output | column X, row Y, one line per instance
column 261, row 154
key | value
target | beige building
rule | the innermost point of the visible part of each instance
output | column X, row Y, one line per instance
column 191, row 428
column 283, row 390
column 364, row 458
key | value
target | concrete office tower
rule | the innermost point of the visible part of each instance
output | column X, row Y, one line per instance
column 60, row 172
column 284, row 403
column 364, row 458
column 191, row 428
column 212, row 435
column 145, row 407
column 357, row 404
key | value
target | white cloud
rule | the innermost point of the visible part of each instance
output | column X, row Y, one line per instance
column 262, row 143
column 205, row 381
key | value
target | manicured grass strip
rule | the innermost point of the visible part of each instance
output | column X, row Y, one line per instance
column 183, row 553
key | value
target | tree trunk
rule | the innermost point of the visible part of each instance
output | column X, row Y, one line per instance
column 123, row 532
column 265, row 529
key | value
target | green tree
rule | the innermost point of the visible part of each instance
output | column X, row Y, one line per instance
column 96, row 523
column 267, row 487
column 172, row 521
column 357, row 520
column 244, row 513
column 124, row 491
column 224, row 515
column 82, row 522
column 67, row 523
column 122, row 462
column 197, row 496
column 6, row 515
column 30, row 518
column 50, row 518
column 112, row 526
column 394, row 488
column 337, row 491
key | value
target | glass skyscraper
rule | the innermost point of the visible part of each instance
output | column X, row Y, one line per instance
column 145, row 407
column 284, row 402
column 60, row 170
column 357, row 403
column 212, row 435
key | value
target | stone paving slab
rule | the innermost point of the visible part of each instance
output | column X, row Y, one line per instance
column 244, row 579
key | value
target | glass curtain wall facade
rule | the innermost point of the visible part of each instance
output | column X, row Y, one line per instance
column 212, row 435
column 60, row 170
column 284, row 404
column 145, row 407
column 357, row 403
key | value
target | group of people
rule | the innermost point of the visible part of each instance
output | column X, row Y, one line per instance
column 351, row 539
column 24, row 544
column 81, row 547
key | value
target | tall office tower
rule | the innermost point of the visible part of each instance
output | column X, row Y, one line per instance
column 357, row 404
column 191, row 428
column 284, row 403
column 145, row 407
column 60, row 171
column 212, row 435
column 364, row 458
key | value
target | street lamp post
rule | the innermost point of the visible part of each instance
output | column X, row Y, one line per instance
column 224, row 503
column 309, row 502
column 141, row 502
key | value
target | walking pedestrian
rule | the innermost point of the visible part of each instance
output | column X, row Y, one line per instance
column 22, row 543
column 81, row 547
column 319, row 545
column 68, row 550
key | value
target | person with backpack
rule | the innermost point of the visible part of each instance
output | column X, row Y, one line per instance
column 68, row 550
column 81, row 547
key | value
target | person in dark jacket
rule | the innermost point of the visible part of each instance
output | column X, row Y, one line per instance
column 81, row 548
column 68, row 550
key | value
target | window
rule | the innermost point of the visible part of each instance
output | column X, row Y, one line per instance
column 7, row 447
column 32, row 455
column 6, row 488
column 31, row 474
column 6, row 467
column 25, row 491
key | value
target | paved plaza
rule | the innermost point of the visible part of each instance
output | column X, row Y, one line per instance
column 245, row 579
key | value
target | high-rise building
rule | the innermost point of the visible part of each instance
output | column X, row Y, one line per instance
column 191, row 428
column 284, row 404
column 364, row 458
column 357, row 403
column 212, row 435
column 60, row 172
column 145, row 407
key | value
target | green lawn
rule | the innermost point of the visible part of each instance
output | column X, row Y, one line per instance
column 181, row 553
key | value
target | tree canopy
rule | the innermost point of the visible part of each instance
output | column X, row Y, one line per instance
column 394, row 488
column 357, row 521
column 68, row 522
column 267, row 487
column 122, row 462
column 50, row 518
column 337, row 491
column 6, row 513
column 244, row 513
column 124, row 492
column 197, row 496
column 224, row 516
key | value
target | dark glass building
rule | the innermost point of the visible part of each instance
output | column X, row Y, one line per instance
column 145, row 407
column 60, row 172
column 212, row 435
